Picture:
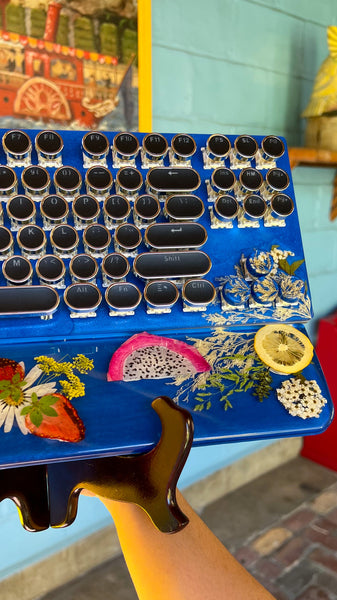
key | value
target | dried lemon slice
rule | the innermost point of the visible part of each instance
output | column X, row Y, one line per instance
column 283, row 348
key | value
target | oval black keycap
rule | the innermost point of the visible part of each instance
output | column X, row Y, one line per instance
column 50, row 268
column 35, row 178
column 184, row 207
column 199, row 291
column 7, row 179
column 95, row 143
column 49, row 142
column 173, row 179
column 183, row 145
column 246, row 146
column 67, row 178
column 226, row 206
column 128, row 236
column 254, row 206
column 31, row 237
column 166, row 265
column 161, row 293
column 86, row 207
column 129, row 179
column 21, row 208
column 218, row 145
column 17, row 269
column 83, row 266
column 222, row 179
column 147, row 206
column 82, row 297
column 34, row 300
column 155, row 145
column 54, row 207
column 64, row 237
column 272, row 146
column 99, row 178
column 126, row 144
column 6, row 239
column 277, row 179
column 97, row 237
column 16, row 142
column 115, row 266
column 117, row 207
column 282, row 205
column 169, row 236
column 251, row 179
column 123, row 296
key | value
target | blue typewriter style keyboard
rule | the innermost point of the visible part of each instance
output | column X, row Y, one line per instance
column 108, row 232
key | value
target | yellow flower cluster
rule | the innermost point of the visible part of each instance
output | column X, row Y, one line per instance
column 83, row 364
column 73, row 388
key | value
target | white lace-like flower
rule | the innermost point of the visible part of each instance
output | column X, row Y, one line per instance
column 16, row 393
column 301, row 398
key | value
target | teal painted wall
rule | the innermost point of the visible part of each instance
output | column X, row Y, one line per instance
column 235, row 66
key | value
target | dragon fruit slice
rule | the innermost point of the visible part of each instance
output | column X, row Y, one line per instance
column 147, row 356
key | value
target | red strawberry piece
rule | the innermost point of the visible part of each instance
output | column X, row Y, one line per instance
column 9, row 368
column 65, row 426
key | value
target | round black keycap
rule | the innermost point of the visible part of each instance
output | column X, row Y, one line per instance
column 128, row 236
column 99, row 178
column 277, row 179
column 7, row 178
column 251, row 179
column 129, row 178
column 226, row 206
column 31, row 237
column 123, row 296
column 50, row 268
column 282, row 205
column 184, row 207
column 17, row 269
column 147, row 206
column 117, row 207
column 161, row 293
column 246, row 146
column 115, row 266
column 82, row 297
column 95, row 143
column 49, row 142
column 64, row 237
column 35, row 178
column 183, row 145
column 54, row 207
column 272, row 146
column 126, row 144
column 20, row 208
column 155, row 144
column 16, row 142
column 83, row 266
column 97, row 237
column 218, row 145
column 254, row 206
column 223, row 179
column 86, row 207
column 199, row 291
column 6, row 239
column 67, row 178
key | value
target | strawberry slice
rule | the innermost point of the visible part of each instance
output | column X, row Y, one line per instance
column 54, row 417
column 9, row 368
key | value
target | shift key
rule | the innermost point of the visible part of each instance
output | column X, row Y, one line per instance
column 172, row 265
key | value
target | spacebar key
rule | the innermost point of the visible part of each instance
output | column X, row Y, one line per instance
column 28, row 301
column 171, row 265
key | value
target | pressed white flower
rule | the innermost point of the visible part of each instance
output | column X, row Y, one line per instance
column 16, row 393
column 301, row 398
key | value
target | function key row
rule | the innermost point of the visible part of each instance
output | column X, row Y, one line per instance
column 154, row 148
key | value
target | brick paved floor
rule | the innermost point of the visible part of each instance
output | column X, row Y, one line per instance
column 282, row 527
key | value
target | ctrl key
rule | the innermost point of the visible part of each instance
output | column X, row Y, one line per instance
column 82, row 299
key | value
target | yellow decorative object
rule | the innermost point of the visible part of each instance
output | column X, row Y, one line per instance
column 321, row 112
column 283, row 348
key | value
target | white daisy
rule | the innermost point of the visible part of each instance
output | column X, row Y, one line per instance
column 17, row 393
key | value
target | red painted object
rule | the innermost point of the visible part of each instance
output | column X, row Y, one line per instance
column 322, row 448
